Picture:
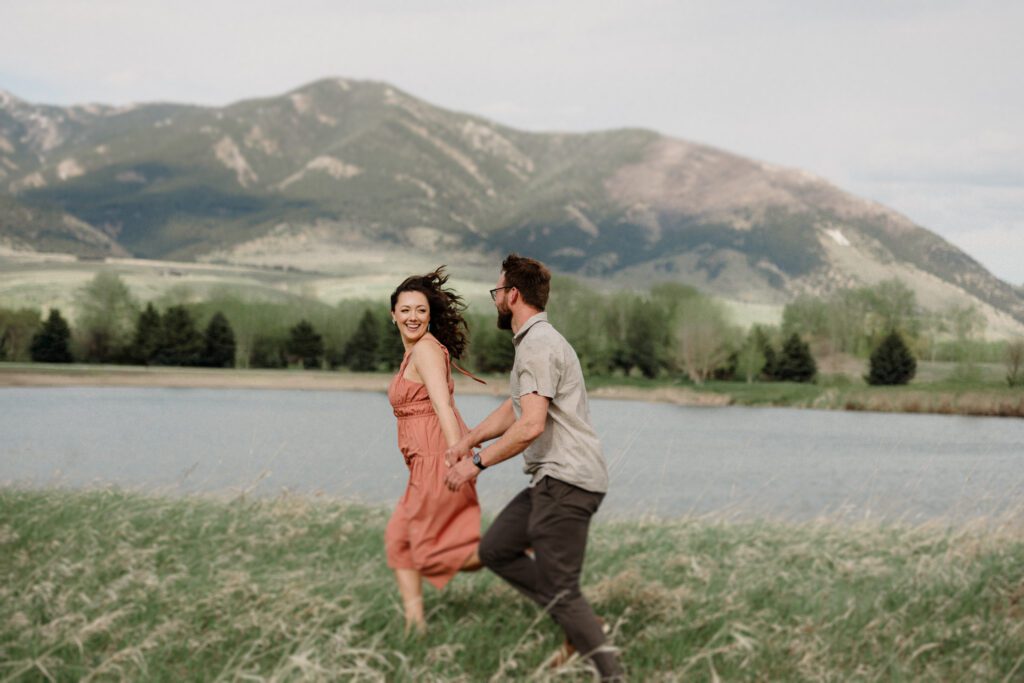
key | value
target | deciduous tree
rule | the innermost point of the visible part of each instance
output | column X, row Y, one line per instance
column 750, row 359
column 702, row 335
column 492, row 350
column 1014, row 360
column 17, row 327
column 106, row 312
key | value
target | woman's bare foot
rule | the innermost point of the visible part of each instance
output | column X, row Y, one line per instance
column 415, row 627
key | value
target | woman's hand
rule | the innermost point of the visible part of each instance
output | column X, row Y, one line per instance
column 460, row 473
column 458, row 451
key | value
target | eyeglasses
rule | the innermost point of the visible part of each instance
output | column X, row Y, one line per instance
column 494, row 292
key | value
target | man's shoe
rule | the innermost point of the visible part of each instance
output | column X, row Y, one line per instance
column 564, row 653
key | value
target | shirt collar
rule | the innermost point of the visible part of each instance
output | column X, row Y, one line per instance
column 539, row 317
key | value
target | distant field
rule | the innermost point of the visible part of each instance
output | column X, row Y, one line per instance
column 45, row 281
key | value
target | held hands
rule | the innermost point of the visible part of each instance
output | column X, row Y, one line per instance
column 458, row 474
column 458, row 452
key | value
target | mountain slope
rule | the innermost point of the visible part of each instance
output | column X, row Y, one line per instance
column 339, row 163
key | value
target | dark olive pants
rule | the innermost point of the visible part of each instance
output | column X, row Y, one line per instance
column 553, row 518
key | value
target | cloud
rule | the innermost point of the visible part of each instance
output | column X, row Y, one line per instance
column 987, row 158
column 985, row 221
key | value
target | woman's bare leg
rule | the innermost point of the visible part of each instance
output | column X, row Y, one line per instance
column 410, row 586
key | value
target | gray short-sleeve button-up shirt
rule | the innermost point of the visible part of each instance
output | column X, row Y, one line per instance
column 569, row 449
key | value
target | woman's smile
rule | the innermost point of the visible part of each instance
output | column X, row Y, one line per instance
column 412, row 315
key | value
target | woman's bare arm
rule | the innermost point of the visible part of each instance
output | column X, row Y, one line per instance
column 430, row 365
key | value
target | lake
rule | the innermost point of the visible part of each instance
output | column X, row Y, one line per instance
column 664, row 460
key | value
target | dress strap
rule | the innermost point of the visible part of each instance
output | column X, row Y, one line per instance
column 405, row 362
column 452, row 363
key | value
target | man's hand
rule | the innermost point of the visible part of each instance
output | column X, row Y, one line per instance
column 459, row 473
column 461, row 450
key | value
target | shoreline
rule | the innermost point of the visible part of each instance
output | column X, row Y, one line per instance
column 22, row 375
column 987, row 401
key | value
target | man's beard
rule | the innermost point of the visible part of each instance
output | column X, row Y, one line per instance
column 504, row 319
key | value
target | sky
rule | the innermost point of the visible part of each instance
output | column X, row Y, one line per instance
column 917, row 104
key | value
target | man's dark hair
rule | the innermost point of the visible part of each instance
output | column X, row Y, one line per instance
column 531, row 277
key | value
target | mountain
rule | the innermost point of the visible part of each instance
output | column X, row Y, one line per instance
column 342, row 164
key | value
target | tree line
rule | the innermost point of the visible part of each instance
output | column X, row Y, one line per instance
column 669, row 331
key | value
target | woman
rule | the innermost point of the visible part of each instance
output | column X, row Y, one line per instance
column 433, row 532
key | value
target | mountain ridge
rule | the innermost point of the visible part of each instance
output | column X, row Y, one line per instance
column 341, row 161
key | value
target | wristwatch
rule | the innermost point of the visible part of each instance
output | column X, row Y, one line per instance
column 479, row 463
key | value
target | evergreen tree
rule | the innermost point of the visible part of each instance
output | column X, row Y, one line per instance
column 219, row 343
column 306, row 344
column 361, row 350
column 148, row 332
column 50, row 344
column 795, row 363
column 892, row 362
column 391, row 349
column 180, row 341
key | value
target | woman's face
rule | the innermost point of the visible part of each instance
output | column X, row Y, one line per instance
column 412, row 314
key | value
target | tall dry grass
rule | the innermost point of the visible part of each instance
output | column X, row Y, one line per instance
column 108, row 585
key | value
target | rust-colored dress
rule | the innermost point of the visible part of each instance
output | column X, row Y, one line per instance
column 432, row 530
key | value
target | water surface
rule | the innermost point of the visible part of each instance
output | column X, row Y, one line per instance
column 664, row 460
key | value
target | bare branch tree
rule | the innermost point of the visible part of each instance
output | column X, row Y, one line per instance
column 703, row 335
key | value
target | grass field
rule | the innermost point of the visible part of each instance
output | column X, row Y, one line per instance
column 108, row 585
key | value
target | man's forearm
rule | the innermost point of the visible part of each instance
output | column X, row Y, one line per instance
column 512, row 442
column 494, row 425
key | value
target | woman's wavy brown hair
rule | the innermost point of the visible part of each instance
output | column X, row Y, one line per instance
column 446, row 307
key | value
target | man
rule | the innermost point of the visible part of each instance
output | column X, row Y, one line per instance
column 547, row 419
